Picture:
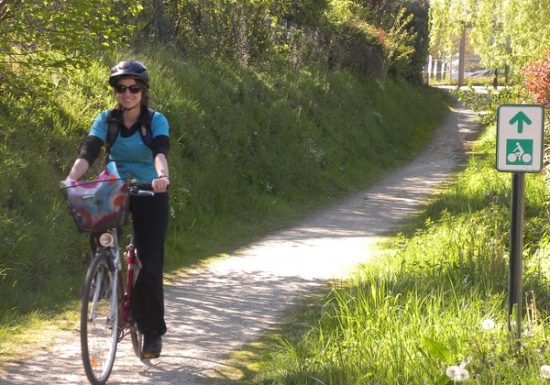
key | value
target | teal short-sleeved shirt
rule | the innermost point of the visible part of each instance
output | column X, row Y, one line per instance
column 134, row 159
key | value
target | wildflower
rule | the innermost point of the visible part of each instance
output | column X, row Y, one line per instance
column 462, row 375
column 545, row 371
column 488, row 324
column 453, row 370
column 457, row 373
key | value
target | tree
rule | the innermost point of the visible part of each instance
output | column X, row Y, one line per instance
column 419, row 32
column 526, row 30
column 399, row 42
column 502, row 33
column 44, row 33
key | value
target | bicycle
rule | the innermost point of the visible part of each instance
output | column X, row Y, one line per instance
column 519, row 155
column 100, row 208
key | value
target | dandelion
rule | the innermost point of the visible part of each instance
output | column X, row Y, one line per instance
column 545, row 371
column 457, row 373
column 452, row 371
column 462, row 375
column 488, row 324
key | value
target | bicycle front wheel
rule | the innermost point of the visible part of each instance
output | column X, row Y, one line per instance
column 99, row 319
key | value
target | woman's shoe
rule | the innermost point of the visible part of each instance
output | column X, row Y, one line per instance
column 152, row 346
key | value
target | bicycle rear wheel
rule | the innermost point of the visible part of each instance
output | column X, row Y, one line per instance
column 137, row 341
column 99, row 319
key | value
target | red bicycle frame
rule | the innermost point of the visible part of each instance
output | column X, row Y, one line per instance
column 132, row 269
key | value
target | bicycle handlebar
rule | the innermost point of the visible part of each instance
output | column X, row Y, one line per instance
column 142, row 190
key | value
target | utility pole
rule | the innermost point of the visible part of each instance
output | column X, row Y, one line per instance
column 461, row 55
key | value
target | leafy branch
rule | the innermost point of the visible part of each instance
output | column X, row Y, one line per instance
column 53, row 33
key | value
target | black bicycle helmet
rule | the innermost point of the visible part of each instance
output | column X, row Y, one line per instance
column 129, row 69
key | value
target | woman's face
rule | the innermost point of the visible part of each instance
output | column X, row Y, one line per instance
column 129, row 93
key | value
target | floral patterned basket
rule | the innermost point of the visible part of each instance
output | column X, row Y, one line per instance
column 100, row 204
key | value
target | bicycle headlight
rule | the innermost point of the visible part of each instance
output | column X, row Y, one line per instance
column 106, row 240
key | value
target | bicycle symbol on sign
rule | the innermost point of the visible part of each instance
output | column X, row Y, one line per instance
column 519, row 151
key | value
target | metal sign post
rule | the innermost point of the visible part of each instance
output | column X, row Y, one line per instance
column 516, row 247
column 520, row 130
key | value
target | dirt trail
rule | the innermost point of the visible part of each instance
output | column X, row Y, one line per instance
column 214, row 309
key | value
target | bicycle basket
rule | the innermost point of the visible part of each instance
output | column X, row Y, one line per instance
column 98, row 205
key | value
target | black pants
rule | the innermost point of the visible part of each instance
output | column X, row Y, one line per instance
column 150, row 218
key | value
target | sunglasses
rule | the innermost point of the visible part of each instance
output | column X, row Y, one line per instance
column 134, row 89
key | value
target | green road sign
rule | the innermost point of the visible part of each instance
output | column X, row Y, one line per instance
column 520, row 130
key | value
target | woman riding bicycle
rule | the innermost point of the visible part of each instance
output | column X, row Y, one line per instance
column 146, row 163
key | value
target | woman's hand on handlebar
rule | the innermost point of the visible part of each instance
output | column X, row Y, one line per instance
column 160, row 184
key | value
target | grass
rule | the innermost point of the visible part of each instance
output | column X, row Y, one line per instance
column 253, row 149
column 436, row 300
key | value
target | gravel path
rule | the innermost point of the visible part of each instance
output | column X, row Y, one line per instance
column 215, row 308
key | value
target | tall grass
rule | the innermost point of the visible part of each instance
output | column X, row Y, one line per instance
column 438, row 298
column 252, row 149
